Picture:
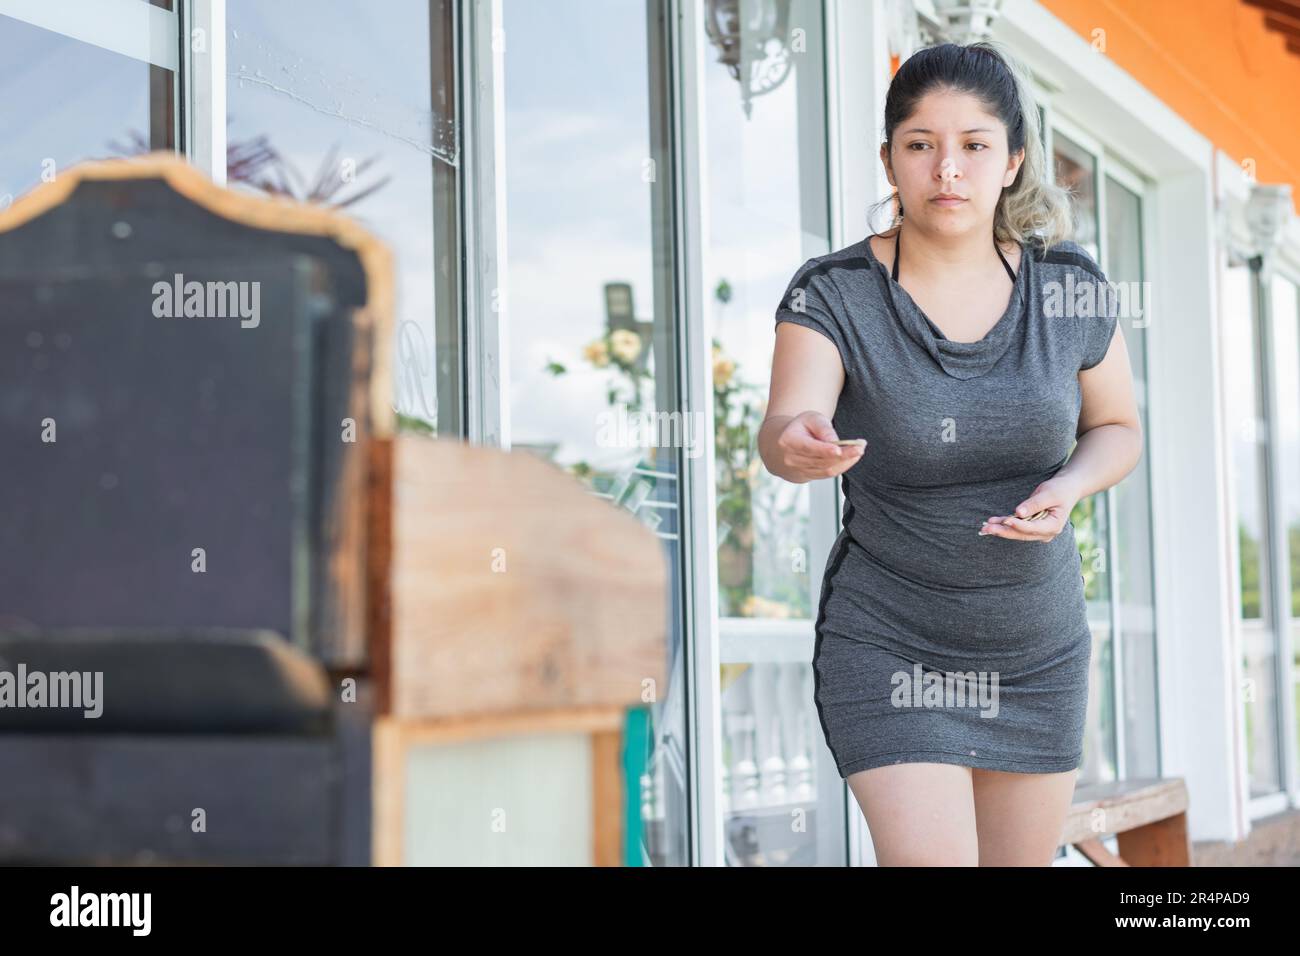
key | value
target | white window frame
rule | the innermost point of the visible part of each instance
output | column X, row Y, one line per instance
column 1108, row 166
column 1235, row 236
column 483, row 192
column 130, row 28
column 700, row 595
column 1287, row 267
column 202, row 29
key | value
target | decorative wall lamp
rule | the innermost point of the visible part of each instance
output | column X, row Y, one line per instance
column 752, row 37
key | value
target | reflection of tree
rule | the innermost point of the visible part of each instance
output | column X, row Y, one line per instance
column 620, row 351
column 735, row 408
column 633, row 483
column 1249, row 547
column 1293, row 540
column 1087, row 538
column 259, row 165
column 256, row 163
column 745, row 498
column 780, row 519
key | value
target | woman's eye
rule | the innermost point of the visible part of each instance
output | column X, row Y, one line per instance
column 918, row 145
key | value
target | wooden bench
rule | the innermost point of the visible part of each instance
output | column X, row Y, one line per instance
column 1148, row 816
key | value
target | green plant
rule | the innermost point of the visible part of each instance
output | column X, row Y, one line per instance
column 256, row 163
column 620, row 351
column 1249, row 547
column 737, row 414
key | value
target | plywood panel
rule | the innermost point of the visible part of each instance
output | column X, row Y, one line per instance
column 513, row 590
column 511, row 801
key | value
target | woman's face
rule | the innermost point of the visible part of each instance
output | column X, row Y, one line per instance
column 950, row 147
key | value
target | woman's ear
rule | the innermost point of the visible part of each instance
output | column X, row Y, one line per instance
column 1014, row 163
column 884, row 161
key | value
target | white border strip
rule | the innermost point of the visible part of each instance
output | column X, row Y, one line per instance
column 129, row 27
column 483, row 185
column 699, row 494
column 205, row 85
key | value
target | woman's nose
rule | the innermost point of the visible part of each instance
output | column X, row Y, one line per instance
column 948, row 170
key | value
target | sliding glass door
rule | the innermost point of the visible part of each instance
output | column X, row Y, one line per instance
column 763, row 131
column 352, row 107
column 585, row 179
column 1113, row 528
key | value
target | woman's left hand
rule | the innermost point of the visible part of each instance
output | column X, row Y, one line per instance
column 1055, row 496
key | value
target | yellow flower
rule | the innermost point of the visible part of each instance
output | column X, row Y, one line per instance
column 723, row 369
column 762, row 607
column 596, row 353
column 626, row 345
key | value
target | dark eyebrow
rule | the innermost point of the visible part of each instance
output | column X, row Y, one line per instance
column 917, row 129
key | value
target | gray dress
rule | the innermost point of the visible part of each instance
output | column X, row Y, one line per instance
column 934, row 643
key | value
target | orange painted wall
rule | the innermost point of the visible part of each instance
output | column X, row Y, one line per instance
column 1215, row 64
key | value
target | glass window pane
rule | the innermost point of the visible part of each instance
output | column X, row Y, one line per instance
column 1286, row 336
column 54, row 118
column 593, row 345
column 1249, row 439
column 1132, row 497
column 331, row 103
column 1076, row 170
column 764, row 118
column 767, row 212
column 1246, row 418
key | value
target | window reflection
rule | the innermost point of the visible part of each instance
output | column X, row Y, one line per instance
column 333, row 105
column 1249, row 442
column 593, row 350
column 768, row 207
column 55, row 118
column 1076, row 170
column 1132, row 496
column 1286, row 332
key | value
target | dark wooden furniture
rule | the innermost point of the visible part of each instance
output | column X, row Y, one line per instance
column 296, row 611
column 183, row 516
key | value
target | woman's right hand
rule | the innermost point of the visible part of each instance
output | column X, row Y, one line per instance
column 807, row 451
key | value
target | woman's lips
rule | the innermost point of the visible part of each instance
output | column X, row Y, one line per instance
column 948, row 200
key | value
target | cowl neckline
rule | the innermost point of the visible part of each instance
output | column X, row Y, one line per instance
column 962, row 360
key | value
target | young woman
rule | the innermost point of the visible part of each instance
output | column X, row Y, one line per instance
column 952, row 640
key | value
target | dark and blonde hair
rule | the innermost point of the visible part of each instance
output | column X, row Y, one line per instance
column 1033, row 205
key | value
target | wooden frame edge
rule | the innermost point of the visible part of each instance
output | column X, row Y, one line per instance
column 270, row 213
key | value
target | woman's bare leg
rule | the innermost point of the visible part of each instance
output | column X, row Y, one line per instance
column 919, row 814
column 1020, row 817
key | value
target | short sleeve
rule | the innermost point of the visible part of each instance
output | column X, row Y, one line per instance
column 811, row 300
column 1096, row 312
column 1098, row 328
